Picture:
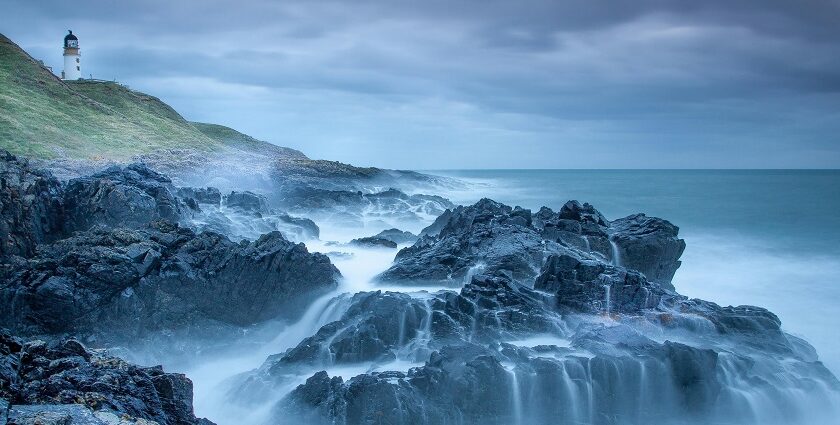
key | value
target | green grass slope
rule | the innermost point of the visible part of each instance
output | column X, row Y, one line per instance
column 234, row 139
column 46, row 118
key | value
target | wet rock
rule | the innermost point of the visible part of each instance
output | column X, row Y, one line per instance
column 201, row 195
column 590, row 286
column 32, row 207
column 397, row 236
column 63, row 383
column 486, row 236
column 374, row 242
column 131, row 196
column 246, row 201
column 649, row 245
column 121, row 283
column 495, row 237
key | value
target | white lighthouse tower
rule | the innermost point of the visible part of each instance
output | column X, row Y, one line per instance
column 72, row 65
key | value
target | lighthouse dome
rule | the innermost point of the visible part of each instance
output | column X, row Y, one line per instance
column 71, row 40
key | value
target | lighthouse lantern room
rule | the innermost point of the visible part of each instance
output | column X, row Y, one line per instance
column 72, row 65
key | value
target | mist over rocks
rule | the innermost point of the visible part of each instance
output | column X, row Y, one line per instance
column 243, row 215
column 355, row 208
column 62, row 382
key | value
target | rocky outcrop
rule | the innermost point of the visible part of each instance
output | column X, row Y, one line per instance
column 374, row 242
column 490, row 236
column 590, row 286
column 31, row 207
column 122, row 283
column 131, row 196
column 62, row 382
column 397, row 236
column 649, row 245
column 486, row 236
column 246, row 201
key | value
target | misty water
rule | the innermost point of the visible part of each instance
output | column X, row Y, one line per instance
column 764, row 238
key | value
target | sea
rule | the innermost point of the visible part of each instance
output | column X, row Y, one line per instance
column 769, row 238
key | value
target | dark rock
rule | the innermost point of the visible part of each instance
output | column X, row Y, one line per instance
column 649, row 245
column 201, row 195
column 590, row 286
column 374, row 242
column 397, row 236
column 246, row 201
column 122, row 283
column 64, row 383
column 131, row 196
column 32, row 207
column 486, row 236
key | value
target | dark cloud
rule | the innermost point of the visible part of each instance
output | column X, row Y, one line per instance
column 532, row 83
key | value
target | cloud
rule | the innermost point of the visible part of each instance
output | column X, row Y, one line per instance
column 452, row 84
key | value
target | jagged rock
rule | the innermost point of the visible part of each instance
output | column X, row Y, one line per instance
column 494, row 237
column 397, row 236
column 488, row 236
column 122, row 283
column 63, row 383
column 649, row 245
column 374, row 242
column 131, row 196
column 32, row 207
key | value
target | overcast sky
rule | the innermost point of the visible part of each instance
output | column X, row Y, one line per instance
column 481, row 84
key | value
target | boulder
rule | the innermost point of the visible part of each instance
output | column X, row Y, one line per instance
column 131, row 196
column 246, row 201
column 649, row 245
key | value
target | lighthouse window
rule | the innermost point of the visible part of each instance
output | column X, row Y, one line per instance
column 77, row 60
column 77, row 68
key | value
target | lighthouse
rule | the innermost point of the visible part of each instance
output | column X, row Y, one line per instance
column 72, row 65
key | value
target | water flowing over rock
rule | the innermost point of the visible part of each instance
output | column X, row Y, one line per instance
column 62, row 382
column 32, row 207
column 243, row 215
column 125, row 282
column 354, row 209
column 397, row 236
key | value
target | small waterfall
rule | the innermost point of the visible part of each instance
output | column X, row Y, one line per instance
column 616, row 254
column 515, row 396
column 472, row 271
column 607, row 299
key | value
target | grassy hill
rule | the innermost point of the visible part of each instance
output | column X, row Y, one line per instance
column 76, row 127
column 46, row 118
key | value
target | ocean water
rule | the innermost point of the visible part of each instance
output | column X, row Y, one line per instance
column 761, row 237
